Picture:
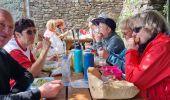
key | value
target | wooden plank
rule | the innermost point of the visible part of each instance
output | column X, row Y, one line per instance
column 78, row 93
column 62, row 94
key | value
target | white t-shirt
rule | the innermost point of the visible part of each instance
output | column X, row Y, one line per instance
column 57, row 46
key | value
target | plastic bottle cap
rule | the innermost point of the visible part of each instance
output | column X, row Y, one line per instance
column 65, row 57
column 77, row 46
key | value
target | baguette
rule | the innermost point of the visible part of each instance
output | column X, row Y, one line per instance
column 95, row 72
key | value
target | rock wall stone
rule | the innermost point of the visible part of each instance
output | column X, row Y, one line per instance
column 14, row 6
column 74, row 12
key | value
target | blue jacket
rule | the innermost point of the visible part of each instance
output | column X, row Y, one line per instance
column 117, row 60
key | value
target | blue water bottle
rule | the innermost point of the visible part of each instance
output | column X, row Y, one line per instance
column 88, row 62
column 78, row 65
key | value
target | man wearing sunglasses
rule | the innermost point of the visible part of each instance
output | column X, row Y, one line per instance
column 17, row 47
column 10, row 69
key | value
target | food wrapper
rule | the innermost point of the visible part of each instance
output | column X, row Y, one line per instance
column 110, row 89
column 50, row 65
column 40, row 81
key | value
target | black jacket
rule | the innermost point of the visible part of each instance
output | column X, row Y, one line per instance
column 10, row 69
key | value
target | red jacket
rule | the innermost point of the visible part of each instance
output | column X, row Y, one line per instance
column 150, row 72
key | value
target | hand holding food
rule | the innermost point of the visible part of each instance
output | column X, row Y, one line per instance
column 137, row 40
column 133, row 43
column 46, row 44
column 51, row 89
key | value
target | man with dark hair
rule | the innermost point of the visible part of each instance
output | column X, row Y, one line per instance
column 18, row 47
column 10, row 69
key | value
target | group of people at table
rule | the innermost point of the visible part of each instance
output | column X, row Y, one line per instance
column 144, row 59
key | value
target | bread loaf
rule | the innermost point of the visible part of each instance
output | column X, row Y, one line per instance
column 95, row 72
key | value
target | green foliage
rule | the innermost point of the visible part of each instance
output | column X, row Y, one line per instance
column 165, row 10
column 128, row 9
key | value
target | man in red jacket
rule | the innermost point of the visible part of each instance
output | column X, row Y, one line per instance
column 147, row 57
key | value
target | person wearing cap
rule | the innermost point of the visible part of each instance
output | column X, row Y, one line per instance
column 107, row 39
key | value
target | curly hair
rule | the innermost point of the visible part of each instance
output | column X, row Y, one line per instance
column 60, row 23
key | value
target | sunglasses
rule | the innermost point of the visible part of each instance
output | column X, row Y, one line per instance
column 137, row 29
column 30, row 32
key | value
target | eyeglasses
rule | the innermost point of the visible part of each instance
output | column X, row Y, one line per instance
column 30, row 32
column 137, row 29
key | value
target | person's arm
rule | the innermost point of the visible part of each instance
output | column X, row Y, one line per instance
column 151, row 69
column 47, row 90
column 33, row 67
column 37, row 65
column 64, row 34
column 17, row 72
column 98, row 38
column 27, row 95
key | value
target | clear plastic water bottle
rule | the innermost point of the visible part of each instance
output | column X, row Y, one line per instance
column 66, row 73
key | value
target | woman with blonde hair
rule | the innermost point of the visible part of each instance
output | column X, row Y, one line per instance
column 56, row 42
column 147, row 59
column 125, row 27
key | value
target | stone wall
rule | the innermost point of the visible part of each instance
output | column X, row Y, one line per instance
column 74, row 12
column 14, row 6
column 131, row 7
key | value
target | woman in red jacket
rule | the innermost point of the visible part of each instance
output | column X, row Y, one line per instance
column 148, row 56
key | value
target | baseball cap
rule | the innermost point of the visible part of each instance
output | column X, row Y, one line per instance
column 108, row 21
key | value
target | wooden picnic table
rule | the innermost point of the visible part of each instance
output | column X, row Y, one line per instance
column 70, row 93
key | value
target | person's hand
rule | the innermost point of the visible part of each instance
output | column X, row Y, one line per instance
column 103, row 53
column 53, row 58
column 88, row 45
column 51, row 89
column 46, row 44
column 61, row 36
column 39, row 45
column 131, row 44
column 98, row 37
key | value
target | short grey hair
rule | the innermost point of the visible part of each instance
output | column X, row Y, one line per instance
column 153, row 21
